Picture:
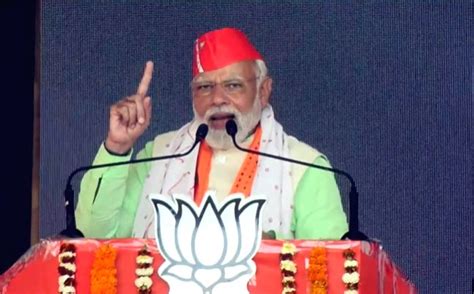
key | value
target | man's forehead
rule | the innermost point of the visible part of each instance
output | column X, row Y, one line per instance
column 243, row 70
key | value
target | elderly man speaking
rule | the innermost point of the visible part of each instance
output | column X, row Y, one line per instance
column 230, row 81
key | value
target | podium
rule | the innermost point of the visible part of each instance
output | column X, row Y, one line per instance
column 37, row 270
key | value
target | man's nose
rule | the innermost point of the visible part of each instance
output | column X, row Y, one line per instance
column 219, row 95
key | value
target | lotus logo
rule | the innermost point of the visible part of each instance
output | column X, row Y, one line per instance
column 207, row 250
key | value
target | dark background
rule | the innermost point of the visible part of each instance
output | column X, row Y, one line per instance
column 384, row 89
column 17, row 34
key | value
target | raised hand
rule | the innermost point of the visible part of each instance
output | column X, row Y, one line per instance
column 130, row 117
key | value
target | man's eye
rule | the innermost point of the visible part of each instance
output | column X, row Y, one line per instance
column 204, row 87
column 233, row 86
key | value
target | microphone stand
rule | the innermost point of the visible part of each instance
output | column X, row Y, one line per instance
column 353, row 233
column 71, row 230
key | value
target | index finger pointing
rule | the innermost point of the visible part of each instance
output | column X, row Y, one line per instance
column 145, row 82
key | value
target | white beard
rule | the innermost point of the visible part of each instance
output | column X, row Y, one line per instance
column 246, row 123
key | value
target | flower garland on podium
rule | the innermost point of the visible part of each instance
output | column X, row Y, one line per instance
column 351, row 275
column 144, row 271
column 104, row 272
column 317, row 271
column 288, row 268
column 67, row 269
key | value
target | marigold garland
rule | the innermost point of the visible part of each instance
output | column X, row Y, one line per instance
column 288, row 268
column 67, row 269
column 317, row 271
column 351, row 276
column 104, row 273
column 144, row 270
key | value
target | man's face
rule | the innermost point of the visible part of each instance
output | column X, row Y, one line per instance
column 228, row 93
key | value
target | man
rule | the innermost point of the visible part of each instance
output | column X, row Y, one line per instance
column 230, row 81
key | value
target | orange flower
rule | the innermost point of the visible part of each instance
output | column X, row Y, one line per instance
column 318, row 291
column 104, row 273
column 317, row 270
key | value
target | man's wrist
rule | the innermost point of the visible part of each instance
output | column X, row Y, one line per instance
column 111, row 152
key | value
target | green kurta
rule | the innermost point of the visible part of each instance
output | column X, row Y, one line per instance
column 109, row 197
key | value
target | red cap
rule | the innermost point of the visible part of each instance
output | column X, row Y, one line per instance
column 222, row 47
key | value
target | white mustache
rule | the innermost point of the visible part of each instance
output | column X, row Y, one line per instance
column 226, row 110
column 246, row 122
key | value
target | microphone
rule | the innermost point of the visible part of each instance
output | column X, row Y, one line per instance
column 353, row 233
column 71, row 230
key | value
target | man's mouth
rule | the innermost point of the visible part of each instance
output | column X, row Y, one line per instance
column 218, row 120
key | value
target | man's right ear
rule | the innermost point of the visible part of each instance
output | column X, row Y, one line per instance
column 265, row 91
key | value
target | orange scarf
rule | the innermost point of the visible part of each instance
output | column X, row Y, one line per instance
column 244, row 179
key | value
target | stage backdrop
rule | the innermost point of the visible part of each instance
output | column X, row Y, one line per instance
column 382, row 89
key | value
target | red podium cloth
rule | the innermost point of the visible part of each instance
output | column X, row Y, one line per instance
column 37, row 270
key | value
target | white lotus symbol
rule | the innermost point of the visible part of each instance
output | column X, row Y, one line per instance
column 208, row 250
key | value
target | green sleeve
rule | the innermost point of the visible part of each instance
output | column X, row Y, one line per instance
column 109, row 197
column 318, row 212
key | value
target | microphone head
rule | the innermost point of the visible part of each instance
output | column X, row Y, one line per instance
column 201, row 132
column 231, row 128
